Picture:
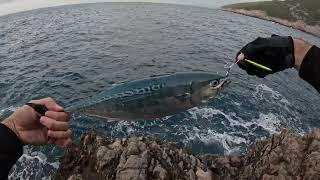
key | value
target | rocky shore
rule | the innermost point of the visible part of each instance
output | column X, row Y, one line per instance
column 283, row 156
column 300, row 25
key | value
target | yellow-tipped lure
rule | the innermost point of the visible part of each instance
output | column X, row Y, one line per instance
column 258, row 65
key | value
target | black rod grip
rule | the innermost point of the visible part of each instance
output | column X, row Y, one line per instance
column 41, row 109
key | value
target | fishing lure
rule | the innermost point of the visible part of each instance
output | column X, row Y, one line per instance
column 229, row 67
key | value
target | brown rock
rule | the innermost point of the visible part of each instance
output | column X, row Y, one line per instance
column 202, row 175
column 283, row 156
column 75, row 177
column 133, row 174
column 160, row 173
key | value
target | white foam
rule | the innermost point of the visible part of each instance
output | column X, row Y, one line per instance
column 262, row 92
column 229, row 142
column 274, row 94
column 237, row 103
column 269, row 122
column 229, row 139
column 55, row 165
column 31, row 164
column 209, row 113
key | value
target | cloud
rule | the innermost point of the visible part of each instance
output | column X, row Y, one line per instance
column 5, row 1
column 13, row 6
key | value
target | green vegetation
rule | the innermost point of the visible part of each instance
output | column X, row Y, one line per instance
column 292, row 10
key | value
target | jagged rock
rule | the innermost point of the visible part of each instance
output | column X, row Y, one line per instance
column 76, row 177
column 202, row 175
column 283, row 156
column 129, row 158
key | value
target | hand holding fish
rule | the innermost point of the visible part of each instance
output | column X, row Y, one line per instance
column 32, row 128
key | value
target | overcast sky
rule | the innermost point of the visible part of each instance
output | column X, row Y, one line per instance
column 12, row 6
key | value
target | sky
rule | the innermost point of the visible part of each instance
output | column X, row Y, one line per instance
column 13, row 6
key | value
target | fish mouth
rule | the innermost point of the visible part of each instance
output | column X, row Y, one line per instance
column 223, row 83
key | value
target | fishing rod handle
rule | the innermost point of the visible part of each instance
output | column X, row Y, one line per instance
column 41, row 109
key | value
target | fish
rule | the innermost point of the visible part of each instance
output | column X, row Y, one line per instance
column 153, row 98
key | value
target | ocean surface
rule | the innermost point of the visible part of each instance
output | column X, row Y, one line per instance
column 73, row 52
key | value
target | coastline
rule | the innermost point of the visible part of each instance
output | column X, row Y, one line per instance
column 299, row 25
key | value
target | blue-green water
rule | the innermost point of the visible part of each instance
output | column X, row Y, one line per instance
column 73, row 52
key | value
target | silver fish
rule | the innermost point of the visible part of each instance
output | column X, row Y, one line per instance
column 154, row 97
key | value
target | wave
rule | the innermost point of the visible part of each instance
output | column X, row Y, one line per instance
column 33, row 164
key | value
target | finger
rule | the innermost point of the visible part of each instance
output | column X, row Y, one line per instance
column 49, row 103
column 54, row 106
column 240, row 57
column 253, row 48
column 60, row 134
column 63, row 142
column 27, row 110
column 54, row 125
column 59, row 116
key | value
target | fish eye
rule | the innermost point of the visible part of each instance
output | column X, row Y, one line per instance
column 214, row 83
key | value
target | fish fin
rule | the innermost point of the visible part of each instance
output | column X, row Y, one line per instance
column 183, row 97
column 160, row 75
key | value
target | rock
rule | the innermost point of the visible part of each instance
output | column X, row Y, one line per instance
column 76, row 177
column 180, row 164
column 283, row 156
column 135, row 162
column 191, row 175
column 132, row 149
column 139, row 174
column 105, row 156
column 128, row 158
column 202, row 175
column 160, row 173
column 116, row 145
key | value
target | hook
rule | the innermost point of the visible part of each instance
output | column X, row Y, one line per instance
column 229, row 66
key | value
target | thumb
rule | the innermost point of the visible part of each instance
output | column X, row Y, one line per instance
column 49, row 103
column 240, row 57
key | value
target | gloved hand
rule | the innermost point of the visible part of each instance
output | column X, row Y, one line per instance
column 276, row 53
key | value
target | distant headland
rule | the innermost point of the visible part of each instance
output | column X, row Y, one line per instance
column 299, row 14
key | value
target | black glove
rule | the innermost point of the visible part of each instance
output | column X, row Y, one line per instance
column 276, row 53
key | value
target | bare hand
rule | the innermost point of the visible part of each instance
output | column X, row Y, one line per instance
column 32, row 128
